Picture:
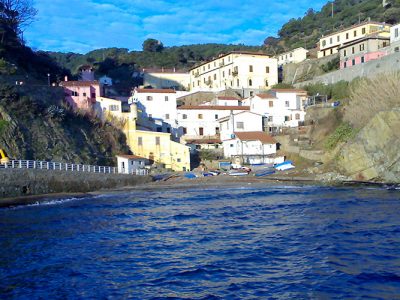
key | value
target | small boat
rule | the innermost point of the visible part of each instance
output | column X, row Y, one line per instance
column 237, row 173
column 265, row 172
column 208, row 174
column 189, row 175
column 286, row 165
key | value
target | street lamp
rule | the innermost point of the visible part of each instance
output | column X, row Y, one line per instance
column 48, row 79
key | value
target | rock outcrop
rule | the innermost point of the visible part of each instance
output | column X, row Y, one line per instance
column 374, row 153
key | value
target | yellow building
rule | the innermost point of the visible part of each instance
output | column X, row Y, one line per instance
column 329, row 44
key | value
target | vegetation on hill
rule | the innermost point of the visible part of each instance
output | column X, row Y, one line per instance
column 306, row 31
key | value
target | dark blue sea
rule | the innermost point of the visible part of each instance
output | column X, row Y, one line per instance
column 242, row 242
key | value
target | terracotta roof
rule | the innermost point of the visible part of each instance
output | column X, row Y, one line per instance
column 214, row 107
column 78, row 83
column 266, row 96
column 158, row 91
column 227, row 98
column 204, row 141
column 255, row 136
column 135, row 157
column 298, row 91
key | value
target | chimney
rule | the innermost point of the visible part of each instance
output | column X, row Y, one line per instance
column 174, row 69
column 66, row 78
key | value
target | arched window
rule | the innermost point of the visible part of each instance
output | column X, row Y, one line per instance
column 250, row 82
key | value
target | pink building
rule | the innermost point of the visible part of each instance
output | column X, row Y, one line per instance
column 81, row 94
column 363, row 50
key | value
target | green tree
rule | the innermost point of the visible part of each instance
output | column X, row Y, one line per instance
column 152, row 45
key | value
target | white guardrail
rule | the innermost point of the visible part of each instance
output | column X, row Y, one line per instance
column 49, row 165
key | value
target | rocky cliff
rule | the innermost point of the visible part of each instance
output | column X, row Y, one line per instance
column 374, row 153
column 37, row 126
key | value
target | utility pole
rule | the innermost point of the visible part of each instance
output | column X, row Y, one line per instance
column 332, row 9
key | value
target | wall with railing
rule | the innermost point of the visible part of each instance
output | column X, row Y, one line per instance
column 47, row 165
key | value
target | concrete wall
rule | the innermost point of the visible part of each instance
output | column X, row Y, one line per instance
column 23, row 182
column 370, row 69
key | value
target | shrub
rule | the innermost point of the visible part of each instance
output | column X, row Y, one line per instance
column 342, row 133
column 3, row 125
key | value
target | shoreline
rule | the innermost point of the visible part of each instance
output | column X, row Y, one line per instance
column 183, row 183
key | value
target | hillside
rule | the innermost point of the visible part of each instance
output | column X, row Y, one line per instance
column 306, row 31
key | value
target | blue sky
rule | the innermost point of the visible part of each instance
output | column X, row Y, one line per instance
column 81, row 26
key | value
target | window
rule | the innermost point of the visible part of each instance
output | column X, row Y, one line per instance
column 250, row 82
column 229, row 71
column 352, row 50
column 353, row 61
column 113, row 107
column 250, row 68
column 297, row 116
column 362, row 47
column 396, row 32
column 209, row 66
column 223, row 74
column 287, row 118
column 149, row 98
column 216, row 117
column 347, row 36
column 150, row 116
column 355, row 33
column 166, row 98
column 397, row 49
column 344, row 52
column 323, row 43
column 362, row 59
column 140, row 141
column 331, row 51
column 201, row 131
column 193, row 84
column 184, row 130
column 363, row 30
column 84, row 94
column 93, row 95
column 216, row 130
column 345, row 64
column 159, row 129
column 251, row 94
column 238, row 82
column 330, row 41
column 271, row 103
column 166, row 116
column 178, row 160
column 169, row 130
column 157, row 140
column 338, row 38
column 184, row 116
column 200, row 116
column 266, row 82
column 215, row 76
column 231, row 145
column 267, row 70
column 239, row 125
column 270, row 118
column 286, row 103
column 291, row 55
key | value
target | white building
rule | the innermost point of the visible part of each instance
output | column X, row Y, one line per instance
column 166, row 79
column 202, row 121
column 245, row 71
column 239, row 122
column 226, row 101
column 131, row 164
column 252, row 147
column 282, row 107
column 395, row 38
column 292, row 57
column 158, row 106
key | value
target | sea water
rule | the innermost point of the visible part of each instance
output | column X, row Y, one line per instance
column 242, row 242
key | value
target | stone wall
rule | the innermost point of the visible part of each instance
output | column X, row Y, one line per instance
column 370, row 69
column 23, row 182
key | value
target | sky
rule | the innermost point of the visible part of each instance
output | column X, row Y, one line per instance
column 83, row 25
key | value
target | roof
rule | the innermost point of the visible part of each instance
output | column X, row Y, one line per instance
column 156, row 91
column 298, row 91
column 78, row 83
column 226, row 54
column 214, row 107
column 255, row 136
column 355, row 26
column 204, row 141
column 291, row 51
column 242, row 112
column 365, row 38
column 132, row 157
column 227, row 98
column 266, row 96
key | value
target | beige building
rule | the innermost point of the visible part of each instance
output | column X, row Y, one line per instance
column 292, row 57
column 329, row 44
column 166, row 79
column 237, row 70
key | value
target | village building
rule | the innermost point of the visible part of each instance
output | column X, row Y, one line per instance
column 81, row 94
column 115, row 108
column 240, row 122
column 394, row 39
column 329, row 44
column 360, row 51
column 251, row 147
column 131, row 164
column 245, row 72
column 166, row 79
column 202, row 122
column 292, row 57
column 226, row 101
